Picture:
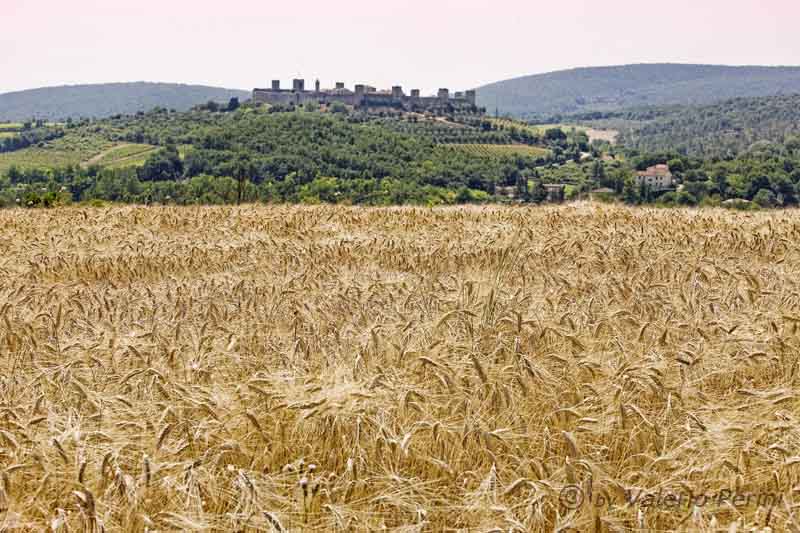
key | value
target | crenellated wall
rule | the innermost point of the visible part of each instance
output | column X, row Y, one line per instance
column 363, row 96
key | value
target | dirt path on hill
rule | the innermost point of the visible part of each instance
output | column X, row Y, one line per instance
column 97, row 158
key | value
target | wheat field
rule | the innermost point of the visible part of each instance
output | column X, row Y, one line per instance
column 400, row 369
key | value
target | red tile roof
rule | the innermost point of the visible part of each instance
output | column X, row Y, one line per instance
column 657, row 171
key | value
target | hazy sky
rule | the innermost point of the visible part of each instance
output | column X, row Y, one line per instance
column 415, row 43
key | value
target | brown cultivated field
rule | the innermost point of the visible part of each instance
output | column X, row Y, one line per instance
column 404, row 369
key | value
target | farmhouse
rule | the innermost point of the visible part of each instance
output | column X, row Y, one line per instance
column 362, row 96
column 657, row 177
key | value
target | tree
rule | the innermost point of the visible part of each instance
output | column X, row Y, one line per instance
column 764, row 198
column 243, row 171
column 598, row 170
column 721, row 183
column 338, row 107
column 645, row 192
column 676, row 165
column 555, row 134
column 784, row 190
column 629, row 192
column 698, row 189
column 14, row 175
column 165, row 165
column 522, row 192
column 792, row 143
column 233, row 105
column 539, row 193
column 463, row 196
column 684, row 198
column 738, row 186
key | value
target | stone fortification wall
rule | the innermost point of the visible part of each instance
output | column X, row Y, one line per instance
column 361, row 97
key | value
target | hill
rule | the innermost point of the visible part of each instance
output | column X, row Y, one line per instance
column 285, row 154
column 105, row 100
column 718, row 130
column 314, row 154
column 618, row 87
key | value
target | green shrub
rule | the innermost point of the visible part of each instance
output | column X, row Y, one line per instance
column 765, row 198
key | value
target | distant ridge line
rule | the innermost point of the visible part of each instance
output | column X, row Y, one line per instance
column 610, row 88
column 107, row 99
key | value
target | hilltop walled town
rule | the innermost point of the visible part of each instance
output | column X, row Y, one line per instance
column 363, row 96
